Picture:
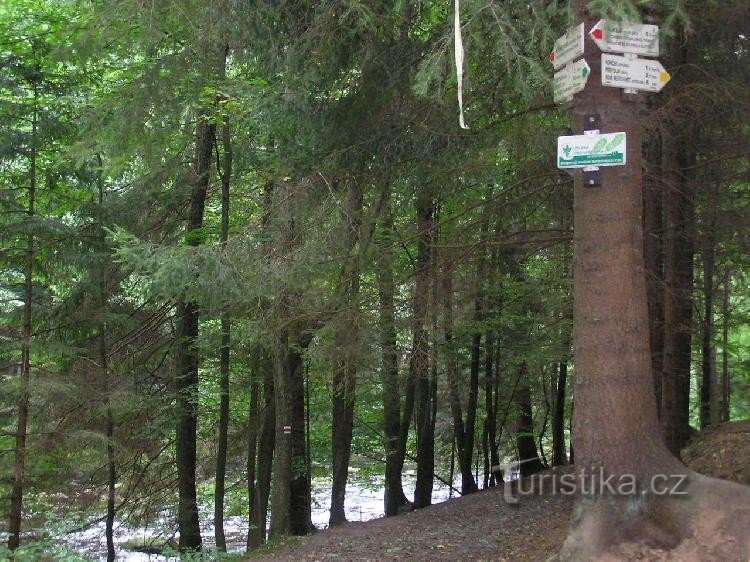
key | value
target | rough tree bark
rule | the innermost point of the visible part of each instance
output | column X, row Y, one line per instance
column 654, row 260
column 616, row 426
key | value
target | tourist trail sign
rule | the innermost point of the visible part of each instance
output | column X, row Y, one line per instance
column 568, row 47
column 585, row 151
column 633, row 73
column 623, row 37
column 570, row 80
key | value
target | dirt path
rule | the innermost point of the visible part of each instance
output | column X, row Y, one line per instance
column 484, row 527
column 479, row 527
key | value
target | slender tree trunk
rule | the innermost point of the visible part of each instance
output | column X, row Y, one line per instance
column 290, row 509
column 709, row 391
column 708, row 357
column 265, row 452
column 110, row 430
column 559, row 458
column 490, row 405
column 488, row 478
column 394, row 497
column 282, row 463
column 452, row 374
column 186, row 357
column 678, row 299
column 469, row 485
column 103, row 363
column 344, row 377
column 299, row 507
column 725, row 380
column 226, row 323
column 678, row 158
column 419, row 362
column 545, row 420
column 260, row 456
column 525, row 442
column 19, row 460
column 251, row 465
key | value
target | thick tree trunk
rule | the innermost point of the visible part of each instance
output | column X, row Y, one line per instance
column 654, row 260
column 221, row 452
column 19, row 458
column 616, row 425
column 345, row 375
column 525, row 442
column 186, row 356
column 419, row 361
column 394, row 498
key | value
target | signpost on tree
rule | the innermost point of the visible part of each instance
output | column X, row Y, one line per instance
column 633, row 73
column 570, row 80
column 626, row 37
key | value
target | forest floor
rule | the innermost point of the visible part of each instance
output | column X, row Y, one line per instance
column 484, row 526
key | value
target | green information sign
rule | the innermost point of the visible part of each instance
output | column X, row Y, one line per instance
column 584, row 151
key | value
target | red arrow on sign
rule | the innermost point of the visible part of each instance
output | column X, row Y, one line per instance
column 597, row 33
column 552, row 56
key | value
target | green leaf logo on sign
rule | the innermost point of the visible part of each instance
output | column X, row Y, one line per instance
column 591, row 150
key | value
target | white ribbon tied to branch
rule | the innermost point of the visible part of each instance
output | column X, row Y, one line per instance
column 459, row 49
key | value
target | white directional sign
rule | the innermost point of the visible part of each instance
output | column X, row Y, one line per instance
column 568, row 47
column 583, row 151
column 571, row 80
column 633, row 73
column 623, row 37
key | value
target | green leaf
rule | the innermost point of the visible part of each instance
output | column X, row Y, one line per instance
column 599, row 146
column 615, row 142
